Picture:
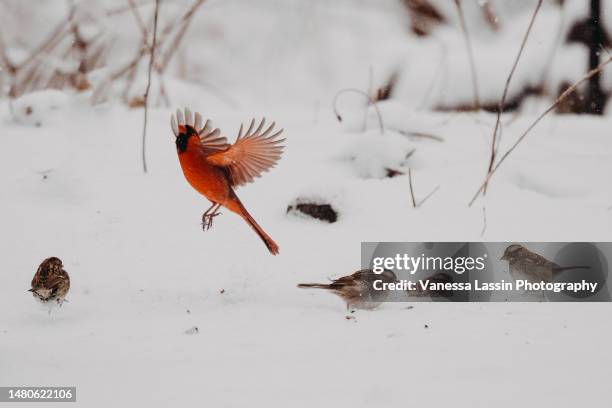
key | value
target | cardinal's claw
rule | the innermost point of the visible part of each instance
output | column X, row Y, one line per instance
column 207, row 220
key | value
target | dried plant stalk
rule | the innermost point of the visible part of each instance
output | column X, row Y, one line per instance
column 470, row 53
column 411, row 188
column 559, row 99
column 502, row 101
column 146, row 94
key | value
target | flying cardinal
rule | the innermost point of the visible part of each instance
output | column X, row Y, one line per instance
column 214, row 167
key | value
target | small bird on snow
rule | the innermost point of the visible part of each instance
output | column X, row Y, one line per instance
column 527, row 265
column 51, row 282
column 357, row 290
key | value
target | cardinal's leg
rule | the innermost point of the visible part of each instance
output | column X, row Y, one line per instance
column 213, row 214
column 208, row 216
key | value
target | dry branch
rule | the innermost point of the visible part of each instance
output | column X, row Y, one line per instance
column 123, row 9
column 420, row 203
column 185, row 22
column 146, row 94
column 141, row 25
column 559, row 99
column 172, row 32
column 502, row 101
column 470, row 53
column 39, row 70
column 428, row 195
column 411, row 188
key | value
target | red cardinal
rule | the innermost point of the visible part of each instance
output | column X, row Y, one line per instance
column 214, row 167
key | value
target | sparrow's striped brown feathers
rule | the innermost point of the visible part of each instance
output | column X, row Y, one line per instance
column 357, row 289
column 51, row 281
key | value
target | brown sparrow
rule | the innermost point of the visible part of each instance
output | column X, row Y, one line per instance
column 529, row 266
column 357, row 290
column 51, row 282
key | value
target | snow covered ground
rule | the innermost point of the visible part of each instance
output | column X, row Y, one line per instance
column 143, row 272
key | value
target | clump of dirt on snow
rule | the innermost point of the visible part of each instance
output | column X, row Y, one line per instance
column 314, row 208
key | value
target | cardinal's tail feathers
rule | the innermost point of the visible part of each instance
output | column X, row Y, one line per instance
column 268, row 241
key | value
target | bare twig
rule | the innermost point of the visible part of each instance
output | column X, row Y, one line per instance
column 484, row 220
column 502, row 101
column 163, row 95
column 138, row 18
column 412, row 199
column 428, row 195
column 561, row 97
column 134, row 62
column 55, row 35
column 470, row 52
column 123, row 9
column 146, row 94
column 409, row 155
column 7, row 69
column 370, row 102
column 186, row 21
column 411, row 188
column 164, row 35
column 26, row 74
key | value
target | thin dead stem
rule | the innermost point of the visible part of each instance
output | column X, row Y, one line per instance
column 52, row 39
column 428, row 195
column 186, row 21
column 470, row 52
column 559, row 99
column 138, row 18
column 411, row 188
column 146, row 94
column 484, row 220
column 412, row 198
column 173, row 32
column 123, row 9
column 502, row 101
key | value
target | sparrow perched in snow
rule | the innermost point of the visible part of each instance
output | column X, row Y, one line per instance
column 357, row 290
column 529, row 266
column 51, row 282
column 214, row 168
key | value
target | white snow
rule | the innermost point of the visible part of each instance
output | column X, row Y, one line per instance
column 162, row 314
column 139, row 261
